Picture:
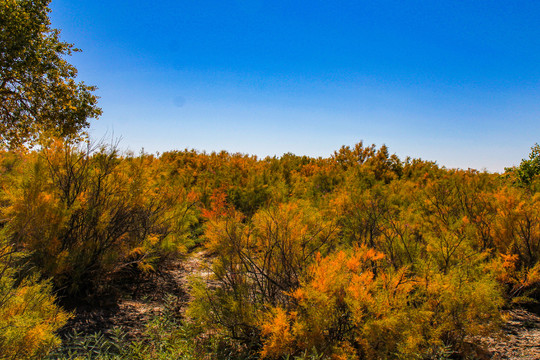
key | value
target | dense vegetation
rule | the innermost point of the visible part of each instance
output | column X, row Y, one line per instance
column 359, row 255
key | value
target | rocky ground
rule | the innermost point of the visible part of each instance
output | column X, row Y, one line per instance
column 520, row 338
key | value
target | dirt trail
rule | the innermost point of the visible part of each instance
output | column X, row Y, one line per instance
column 520, row 338
column 144, row 299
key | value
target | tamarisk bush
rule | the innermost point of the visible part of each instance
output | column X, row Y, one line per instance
column 84, row 213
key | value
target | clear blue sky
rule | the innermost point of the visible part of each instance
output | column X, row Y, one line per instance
column 452, row 81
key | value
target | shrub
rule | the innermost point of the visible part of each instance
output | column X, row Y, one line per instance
column 257, row 263
column 28, row 313
column 85, row 213
column 352, row 305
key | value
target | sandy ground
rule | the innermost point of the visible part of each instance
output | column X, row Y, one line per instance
column 520, row 338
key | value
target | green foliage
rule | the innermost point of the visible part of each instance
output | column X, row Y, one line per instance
column 528, row 169
column 165, row 337
column 93, row 346
column 38, row 90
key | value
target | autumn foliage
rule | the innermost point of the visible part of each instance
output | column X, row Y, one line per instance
column 29, row 315
column 359, row 255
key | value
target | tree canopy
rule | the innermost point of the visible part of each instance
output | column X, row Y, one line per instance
column 38, row 88
column 530, row 168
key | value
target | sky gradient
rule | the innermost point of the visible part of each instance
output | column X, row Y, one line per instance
column 447, row 81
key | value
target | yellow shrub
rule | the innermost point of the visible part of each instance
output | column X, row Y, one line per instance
column 28, row 315
column 353, row 304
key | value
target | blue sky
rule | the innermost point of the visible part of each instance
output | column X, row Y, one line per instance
column 455, row 82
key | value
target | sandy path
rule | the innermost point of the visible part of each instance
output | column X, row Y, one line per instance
column 520, row 338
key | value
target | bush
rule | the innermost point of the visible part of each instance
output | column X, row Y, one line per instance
column 351, row 305
column 257, row 263
column 28, row 313
column 85, row 213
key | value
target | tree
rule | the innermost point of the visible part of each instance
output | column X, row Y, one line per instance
column 530, row 168
column 38, row 90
